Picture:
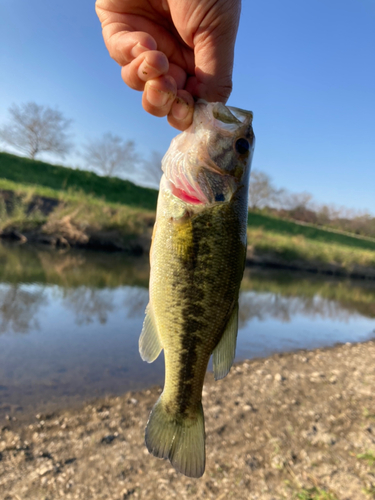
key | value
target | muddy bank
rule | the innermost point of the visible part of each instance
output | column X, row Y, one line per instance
column 109, row 241
column 297, row 425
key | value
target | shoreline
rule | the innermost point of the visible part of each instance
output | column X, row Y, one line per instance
column 112, row 241
column 295, row 423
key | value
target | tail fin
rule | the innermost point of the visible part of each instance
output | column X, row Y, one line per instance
column 181, row 440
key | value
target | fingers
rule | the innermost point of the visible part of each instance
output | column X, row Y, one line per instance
column 162, row 85
column 123, row 45
column 159, row 95
column 144, row 68
column 147, row 66
column 182, row 110
column 161, row 98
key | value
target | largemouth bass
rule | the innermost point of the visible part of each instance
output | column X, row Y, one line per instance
column 197, row 260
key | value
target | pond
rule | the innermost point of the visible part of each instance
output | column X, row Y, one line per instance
column 70, row 322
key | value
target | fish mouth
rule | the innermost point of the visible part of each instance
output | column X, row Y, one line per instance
column 197, row 175
column 209, row 187
column 188, row 190
column 184, row 196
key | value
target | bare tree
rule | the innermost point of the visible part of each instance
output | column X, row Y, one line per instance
column 261, row 190
column 110, row 155
column 152, row 169
column 33, row 129
column 294, row 201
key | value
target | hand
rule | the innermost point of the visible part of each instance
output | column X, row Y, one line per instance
column 172, row 50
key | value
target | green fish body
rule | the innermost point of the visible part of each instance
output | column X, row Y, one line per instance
column 197, row 260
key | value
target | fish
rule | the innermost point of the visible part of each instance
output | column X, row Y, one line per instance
column 197, row 260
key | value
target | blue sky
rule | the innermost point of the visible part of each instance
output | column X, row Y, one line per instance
column 305, row 68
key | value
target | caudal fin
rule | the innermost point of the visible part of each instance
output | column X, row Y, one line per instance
column 180, row 439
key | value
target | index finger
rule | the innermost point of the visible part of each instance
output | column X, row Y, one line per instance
column 123, row 42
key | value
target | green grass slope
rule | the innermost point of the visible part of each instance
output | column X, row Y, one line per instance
column 290, row 228
column 32, row 172
column 88, row 200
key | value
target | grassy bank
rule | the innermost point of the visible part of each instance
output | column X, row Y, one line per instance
column 70, row 217
column 79, row 208
column 290, row 248
column 284, row 227
column 37, row 173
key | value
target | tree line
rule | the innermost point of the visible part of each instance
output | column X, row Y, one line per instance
column 34, row 129
column 301, row 207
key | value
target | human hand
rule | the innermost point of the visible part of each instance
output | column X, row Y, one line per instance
column 172, row 50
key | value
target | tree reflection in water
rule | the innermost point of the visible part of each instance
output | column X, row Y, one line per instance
column 264, row 306
column 88, row 304
column 19, row 306
column 136, row 302
column 86, row 284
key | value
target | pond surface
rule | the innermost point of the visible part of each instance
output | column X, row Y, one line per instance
column 70, row 322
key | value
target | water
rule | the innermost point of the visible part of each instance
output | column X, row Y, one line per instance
column 70, row 322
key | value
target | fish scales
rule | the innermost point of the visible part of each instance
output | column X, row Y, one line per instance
column 197, row 260
column 201, row 282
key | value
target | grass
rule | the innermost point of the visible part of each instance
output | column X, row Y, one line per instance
column 76, row 209
column 111, row 204
column 369, row 457
column 315, row 494
column 309, row 232
column 111, row 189
column 290, row 247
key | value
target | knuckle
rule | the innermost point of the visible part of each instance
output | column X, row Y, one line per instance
column 224, row 91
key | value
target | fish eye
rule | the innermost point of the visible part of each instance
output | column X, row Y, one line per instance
column 242, row 146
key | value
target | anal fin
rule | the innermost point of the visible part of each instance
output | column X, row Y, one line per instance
column 149, row 342
column 224, row 352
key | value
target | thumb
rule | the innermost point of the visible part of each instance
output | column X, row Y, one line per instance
column 214, row 52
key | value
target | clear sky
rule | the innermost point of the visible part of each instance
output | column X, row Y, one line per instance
column 305, row 68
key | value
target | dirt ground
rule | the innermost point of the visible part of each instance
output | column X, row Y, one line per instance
column 294, row 426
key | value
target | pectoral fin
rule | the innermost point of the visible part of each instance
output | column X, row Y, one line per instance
column 224, row 352
column 149, row 342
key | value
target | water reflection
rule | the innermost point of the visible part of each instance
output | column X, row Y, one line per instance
column 83, row 313
column 19, row 308
column 136, row 302
column 88, row 304
column 263, row 306
column 20, row 305
column 69, row 269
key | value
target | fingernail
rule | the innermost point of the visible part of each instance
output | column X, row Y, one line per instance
column 144, row 70
column 180, row 109
column 139, row 49
column 157, row 97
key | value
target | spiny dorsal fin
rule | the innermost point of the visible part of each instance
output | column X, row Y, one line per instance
column 224, row 352
column 149, row 342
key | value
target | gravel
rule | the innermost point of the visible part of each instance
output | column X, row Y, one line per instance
column 295, row 425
